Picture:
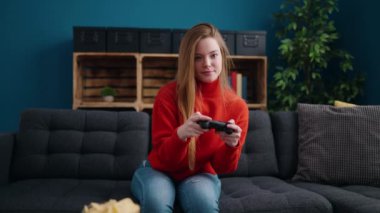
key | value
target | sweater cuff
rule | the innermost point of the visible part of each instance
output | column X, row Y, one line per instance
column 178, row 141
column 232, row 150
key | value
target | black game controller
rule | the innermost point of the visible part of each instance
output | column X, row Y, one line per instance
column 217, row 125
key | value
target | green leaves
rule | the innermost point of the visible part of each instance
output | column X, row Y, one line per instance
column 307, row 35
column 108, row 91
column 284, row 77
column 286, row 47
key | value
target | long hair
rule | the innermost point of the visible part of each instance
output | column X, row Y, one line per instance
column 186, row 82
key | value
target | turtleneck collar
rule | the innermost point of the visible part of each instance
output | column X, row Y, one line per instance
column 211, row 89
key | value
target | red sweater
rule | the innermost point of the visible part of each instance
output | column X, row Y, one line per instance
column 169, row 152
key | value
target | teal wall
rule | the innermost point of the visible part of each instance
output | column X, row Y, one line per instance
column 36, row 40
column 359, row 28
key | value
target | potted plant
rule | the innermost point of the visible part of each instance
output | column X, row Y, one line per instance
column 313, row 70
column 108, row 93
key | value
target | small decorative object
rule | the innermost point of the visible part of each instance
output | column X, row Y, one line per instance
column 108, row 93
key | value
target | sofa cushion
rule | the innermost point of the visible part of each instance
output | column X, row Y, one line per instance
column 368, row 191
column 258, row 155
column 268, row 194
column 348, row 199
column 6, row 150
column 80, row 144
column 59, row 195
column 285, row 131
column 339, row 145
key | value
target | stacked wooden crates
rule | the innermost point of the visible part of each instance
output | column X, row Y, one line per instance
column 137, row 77
column 137, row 73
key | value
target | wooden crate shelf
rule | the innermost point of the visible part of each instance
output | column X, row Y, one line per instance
column 255, row 69
column 137, row 77
column 94, row 71
column 157, row 70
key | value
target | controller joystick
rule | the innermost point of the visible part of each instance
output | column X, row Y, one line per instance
column 217, row 125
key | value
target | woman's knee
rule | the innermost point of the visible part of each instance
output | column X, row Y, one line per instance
column 202, row 205
column 199, row 203
column 200, row 193
column 154, row 190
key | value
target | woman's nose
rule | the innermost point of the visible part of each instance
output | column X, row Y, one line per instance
column 207, row 62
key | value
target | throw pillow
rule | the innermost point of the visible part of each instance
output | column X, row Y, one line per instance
column 337, row 145
column 343, row 104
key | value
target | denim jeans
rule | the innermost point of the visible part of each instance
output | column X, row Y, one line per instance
column 156, row 191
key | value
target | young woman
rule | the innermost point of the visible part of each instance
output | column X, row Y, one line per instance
column 185, row 158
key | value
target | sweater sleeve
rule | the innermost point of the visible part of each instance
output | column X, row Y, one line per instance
column 226, row 158
column 170, row 149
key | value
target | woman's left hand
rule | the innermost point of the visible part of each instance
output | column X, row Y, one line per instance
column 233, row 138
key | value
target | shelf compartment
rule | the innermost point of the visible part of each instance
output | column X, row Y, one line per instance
column 254, row 68
column 95, row 71
column 156, row 72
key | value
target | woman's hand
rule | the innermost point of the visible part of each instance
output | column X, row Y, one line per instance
column 233, row 138
column 191, row 128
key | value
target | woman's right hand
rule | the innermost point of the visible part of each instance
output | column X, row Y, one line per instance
column 191, row 128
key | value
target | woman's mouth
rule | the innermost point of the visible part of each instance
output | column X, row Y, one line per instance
column 206, row 72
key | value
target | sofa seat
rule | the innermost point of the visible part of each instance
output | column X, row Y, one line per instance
column 59, row 195
column 268, row 194
column 347, row 199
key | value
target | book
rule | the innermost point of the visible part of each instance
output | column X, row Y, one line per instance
column 233, row 81
column 244, row 87
column 239, row 84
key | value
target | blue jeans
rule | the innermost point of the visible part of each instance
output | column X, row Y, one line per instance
column 156, row 191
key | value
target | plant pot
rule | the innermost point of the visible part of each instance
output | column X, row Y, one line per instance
column 108, row 98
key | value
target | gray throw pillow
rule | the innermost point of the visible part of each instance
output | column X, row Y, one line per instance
column 338, row 146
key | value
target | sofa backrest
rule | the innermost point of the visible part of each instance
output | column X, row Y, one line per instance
column 258, row 156
column 285, row 131
column 80, row 144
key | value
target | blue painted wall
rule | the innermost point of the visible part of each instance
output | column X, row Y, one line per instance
column 36, row 40
column 358, row 25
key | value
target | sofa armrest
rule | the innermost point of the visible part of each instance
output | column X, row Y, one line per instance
column 6, row 150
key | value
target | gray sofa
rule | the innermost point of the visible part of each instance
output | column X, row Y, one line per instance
column 61, row 160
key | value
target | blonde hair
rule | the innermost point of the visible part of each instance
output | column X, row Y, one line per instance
column 186, row 82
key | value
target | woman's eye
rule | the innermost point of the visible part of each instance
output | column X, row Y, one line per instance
column 214, row 55
column 197, row 58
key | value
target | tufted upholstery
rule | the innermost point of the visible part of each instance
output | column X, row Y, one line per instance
column 80, row 144
column 59, row 195
column 253, row 187
column 268, row 194
column 285, row 131
column 347, row 199
column 258, row 155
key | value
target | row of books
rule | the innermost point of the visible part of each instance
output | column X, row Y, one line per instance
column 238, row 83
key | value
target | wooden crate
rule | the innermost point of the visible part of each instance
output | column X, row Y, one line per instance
column 95, row 71
column 157, row 70
column 255, row 69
